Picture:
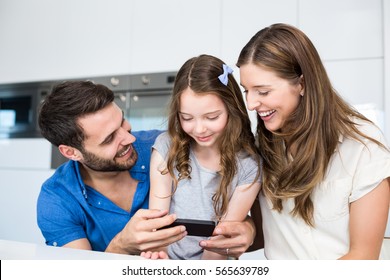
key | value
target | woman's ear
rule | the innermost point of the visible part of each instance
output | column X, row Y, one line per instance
column 70, row 152
column 302, row 83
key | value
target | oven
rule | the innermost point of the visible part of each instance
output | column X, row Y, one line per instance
column 19, row 109
column 143, row 98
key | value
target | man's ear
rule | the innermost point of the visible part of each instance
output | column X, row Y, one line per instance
column 70, row 152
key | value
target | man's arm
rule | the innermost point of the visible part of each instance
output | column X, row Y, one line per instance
column 142, row 233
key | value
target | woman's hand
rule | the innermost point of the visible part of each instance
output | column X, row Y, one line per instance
column 231, row 238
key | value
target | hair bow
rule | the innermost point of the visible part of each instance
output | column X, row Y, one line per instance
column 224, row 76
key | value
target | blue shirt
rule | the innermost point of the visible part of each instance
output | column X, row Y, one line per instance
column 68, row 210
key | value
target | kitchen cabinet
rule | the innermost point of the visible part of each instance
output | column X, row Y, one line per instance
column 348, row 29
column 24, row 166
column 167, row 33
column 349, row 38
column 25, row 153
column 19, row 190
column 52, row 39
column 242, row 19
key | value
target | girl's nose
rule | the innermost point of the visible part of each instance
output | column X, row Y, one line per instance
column 199, row 127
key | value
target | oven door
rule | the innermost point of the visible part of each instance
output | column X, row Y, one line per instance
column 18, row 112
column 149, row 110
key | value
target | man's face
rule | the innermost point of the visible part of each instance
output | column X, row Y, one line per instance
column 108, row 142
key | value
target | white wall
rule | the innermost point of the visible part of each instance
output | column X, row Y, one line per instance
column 57, row 39
column 386, row 72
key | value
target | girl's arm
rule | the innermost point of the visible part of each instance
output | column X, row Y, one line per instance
column 368, row 218
column 238, row 209
column 159, row 196
column 160, row 185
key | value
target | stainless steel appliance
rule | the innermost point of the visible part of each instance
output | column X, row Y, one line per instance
column 142, row 97
column 19, row 109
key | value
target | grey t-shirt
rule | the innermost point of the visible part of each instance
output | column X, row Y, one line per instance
column 193, row 197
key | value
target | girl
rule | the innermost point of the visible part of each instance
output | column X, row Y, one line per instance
column 206, row 166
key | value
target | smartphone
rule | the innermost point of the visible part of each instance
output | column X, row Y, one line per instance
column 195, row 227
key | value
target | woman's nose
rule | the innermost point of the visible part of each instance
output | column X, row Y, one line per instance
column 252, row 101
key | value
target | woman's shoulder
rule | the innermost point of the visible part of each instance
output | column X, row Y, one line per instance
column 369, row 129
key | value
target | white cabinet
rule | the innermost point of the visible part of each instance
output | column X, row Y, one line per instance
column 19, row 190
column 24, row 166
column 167, row 33
column 348, row 29
column 25, row 153
column 349, row 38
column 242, row 19
column 53, row 39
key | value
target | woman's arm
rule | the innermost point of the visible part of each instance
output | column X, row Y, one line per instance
column 368, row 218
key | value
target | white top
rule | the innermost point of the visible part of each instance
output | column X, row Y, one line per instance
column 354, row 170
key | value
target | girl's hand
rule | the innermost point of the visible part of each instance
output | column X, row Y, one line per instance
column 155, row 255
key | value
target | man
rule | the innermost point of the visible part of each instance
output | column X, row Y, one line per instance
column 98, row 200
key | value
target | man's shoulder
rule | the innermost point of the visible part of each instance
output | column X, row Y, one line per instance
column 146, row 136
column 63, row 177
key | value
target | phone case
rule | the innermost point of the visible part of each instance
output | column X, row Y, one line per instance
column 196, row 227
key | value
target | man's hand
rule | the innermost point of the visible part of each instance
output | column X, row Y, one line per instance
column 231, row 238
column 141, row 233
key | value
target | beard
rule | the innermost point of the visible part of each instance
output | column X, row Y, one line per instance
column 97, row 163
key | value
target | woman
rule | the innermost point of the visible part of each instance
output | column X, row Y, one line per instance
column 326, row 167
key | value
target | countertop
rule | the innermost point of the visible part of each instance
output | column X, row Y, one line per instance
column 14, row 250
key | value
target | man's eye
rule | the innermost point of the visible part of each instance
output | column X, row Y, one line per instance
column 108, row 140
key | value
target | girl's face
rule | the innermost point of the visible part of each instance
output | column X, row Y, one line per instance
column 203, row 117
column 273, row 98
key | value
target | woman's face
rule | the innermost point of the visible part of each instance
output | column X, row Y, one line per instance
column 273, row 98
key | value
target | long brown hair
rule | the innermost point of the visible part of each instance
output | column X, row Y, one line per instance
column 314, row 128
column 201, row 75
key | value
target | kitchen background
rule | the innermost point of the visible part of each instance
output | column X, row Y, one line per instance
column 45, row 40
